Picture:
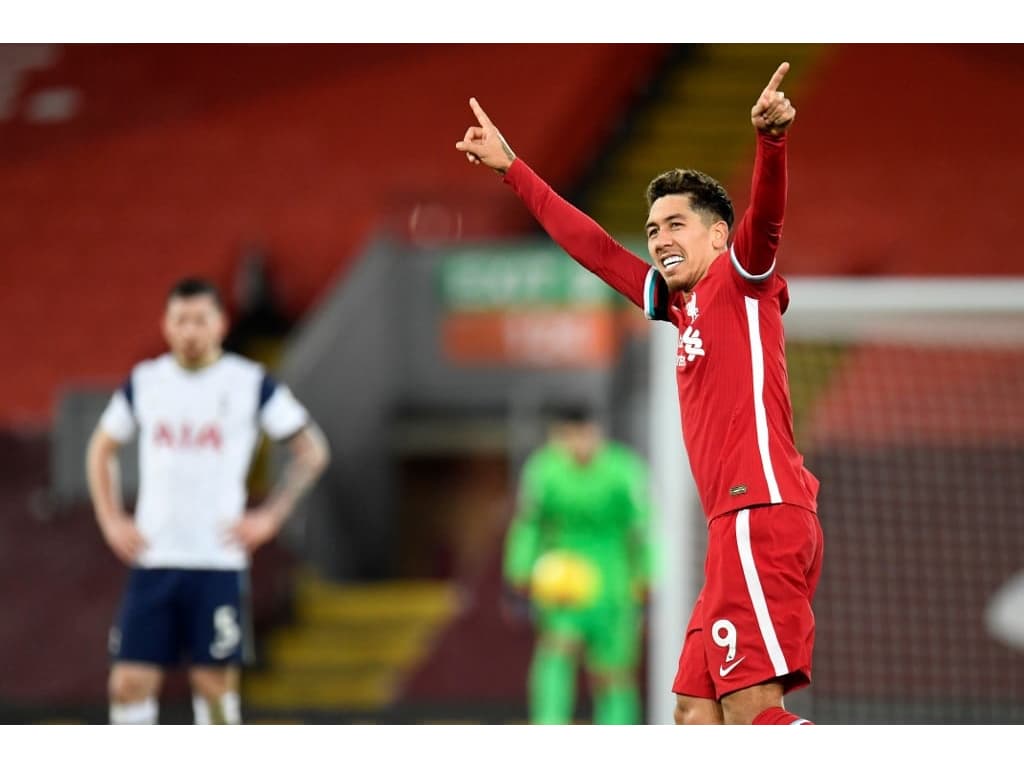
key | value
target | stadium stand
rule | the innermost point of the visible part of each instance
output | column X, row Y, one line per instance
column 178, row 156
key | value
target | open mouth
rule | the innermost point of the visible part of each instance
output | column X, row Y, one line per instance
column 670, row 261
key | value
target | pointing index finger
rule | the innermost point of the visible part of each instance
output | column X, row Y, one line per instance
column 776, row 81
column 485, row 121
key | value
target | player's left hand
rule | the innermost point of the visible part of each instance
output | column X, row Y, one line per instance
column 256, row 528
column 773, row 113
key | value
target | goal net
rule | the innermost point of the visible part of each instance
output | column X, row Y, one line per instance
column 908, row 400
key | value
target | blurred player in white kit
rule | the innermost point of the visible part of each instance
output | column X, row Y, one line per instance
column 197, row 413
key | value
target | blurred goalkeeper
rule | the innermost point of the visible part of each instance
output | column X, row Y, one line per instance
column 750, row 639
column 578, row 550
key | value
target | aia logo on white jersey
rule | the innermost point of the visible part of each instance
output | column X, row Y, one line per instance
column 187, row 437
column 691, row 346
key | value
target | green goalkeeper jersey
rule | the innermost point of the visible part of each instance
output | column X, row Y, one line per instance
column 599, row 510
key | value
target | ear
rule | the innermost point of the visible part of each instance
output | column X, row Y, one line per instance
column 719, row 235
column 165, row 326
column 223, row 323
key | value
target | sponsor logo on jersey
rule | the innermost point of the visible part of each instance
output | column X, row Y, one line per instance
column 737, row 490
column 692, row 346
column 187, row 436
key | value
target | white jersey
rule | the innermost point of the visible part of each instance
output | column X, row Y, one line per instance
column 197, row 434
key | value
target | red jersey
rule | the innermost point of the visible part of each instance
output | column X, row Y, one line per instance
column 734, row 398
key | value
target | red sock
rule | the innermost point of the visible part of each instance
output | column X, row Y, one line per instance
column 779, row 716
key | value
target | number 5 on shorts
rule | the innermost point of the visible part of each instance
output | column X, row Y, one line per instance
column 227, row 633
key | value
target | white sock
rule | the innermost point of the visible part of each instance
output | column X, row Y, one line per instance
column 229, row 706
column 142, row 712
column 200, row 710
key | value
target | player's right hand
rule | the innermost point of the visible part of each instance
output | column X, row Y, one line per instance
column 484, row 143
column 124, row 539
column 773, row 113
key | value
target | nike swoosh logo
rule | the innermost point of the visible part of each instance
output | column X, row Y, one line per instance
column 724, row 670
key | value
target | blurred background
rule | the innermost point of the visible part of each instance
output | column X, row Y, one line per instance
column 414, row 306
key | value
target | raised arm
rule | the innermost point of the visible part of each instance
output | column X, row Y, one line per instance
column 575, row 232
column 759, row 231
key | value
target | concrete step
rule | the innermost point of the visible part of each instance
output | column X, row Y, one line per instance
column 350, row 646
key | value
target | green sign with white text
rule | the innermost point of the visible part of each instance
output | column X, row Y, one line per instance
column 495, row 278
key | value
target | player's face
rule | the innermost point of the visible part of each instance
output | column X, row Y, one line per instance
column 581, row 439
column 681, row 242
column 194, row 328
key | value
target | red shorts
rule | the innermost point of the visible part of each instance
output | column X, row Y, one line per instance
column 753, row 620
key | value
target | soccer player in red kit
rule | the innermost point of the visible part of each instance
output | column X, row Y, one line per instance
column 751, row 634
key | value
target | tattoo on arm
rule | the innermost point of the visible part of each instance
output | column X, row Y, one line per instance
column 298, row 477
column 305, row 467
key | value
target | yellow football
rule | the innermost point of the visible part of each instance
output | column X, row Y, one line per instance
column 563, row 578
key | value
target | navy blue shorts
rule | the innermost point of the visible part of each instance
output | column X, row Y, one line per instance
column 177, row 615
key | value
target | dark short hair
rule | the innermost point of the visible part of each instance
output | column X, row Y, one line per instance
column 707, row 195
column 569, row 411
column 188, row 287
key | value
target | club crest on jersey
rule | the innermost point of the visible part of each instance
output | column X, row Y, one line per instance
column 691, row 346
column 691, row 307
column 187, row 437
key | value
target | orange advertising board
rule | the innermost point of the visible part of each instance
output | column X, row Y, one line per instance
column 562, row 337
